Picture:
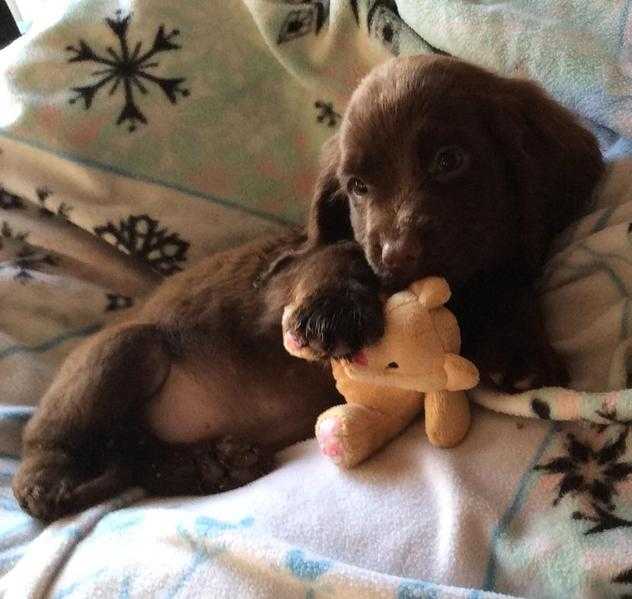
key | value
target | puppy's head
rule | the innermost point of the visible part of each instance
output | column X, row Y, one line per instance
column 442, row 168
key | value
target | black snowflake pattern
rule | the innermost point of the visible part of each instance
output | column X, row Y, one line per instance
column 613, row 419
column 354, row 8
column 326, row 113
column 384, row 23
column 602, row 519
column 142, row 236
column 118, row 302
column 8, row 233
column 589, row 472
column 594, row 474
column 128, row 70
column 29, row 260
column 540, row 408
column 624, row 577
column 63, row 210
column 9, row 201
column 305, row 20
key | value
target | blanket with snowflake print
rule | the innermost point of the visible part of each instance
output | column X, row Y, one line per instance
column 137, row 137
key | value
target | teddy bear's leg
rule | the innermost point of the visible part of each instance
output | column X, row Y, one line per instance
column 447, row 415
column 350, row 433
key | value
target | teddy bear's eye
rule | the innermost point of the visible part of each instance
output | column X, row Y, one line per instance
column 393, row 365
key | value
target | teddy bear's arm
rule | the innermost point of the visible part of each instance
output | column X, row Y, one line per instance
column 447, row 417
column 461, row 373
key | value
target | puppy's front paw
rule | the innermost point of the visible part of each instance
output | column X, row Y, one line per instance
column 293, row 340
column 523, row 369
column 334, row 323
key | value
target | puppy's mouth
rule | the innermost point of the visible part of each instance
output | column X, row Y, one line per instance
column 393, row 281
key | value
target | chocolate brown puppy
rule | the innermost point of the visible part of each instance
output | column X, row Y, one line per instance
column 192, row 394
column 439, row 168
column 442, row 168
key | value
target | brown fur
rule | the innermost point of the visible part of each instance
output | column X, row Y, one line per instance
column 193, row 392
column 530, row 171
column 208, row 340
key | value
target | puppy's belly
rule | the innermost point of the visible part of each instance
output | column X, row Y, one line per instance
column 195, row 404
column 184, row 411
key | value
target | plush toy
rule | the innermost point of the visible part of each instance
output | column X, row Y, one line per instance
column 414, row 366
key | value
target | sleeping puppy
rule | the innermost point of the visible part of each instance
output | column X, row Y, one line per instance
column 439, row 168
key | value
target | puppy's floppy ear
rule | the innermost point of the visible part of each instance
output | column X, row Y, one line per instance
column 553, row 162
column 328, row 220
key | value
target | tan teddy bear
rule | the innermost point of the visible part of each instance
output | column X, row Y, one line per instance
column 414, row 366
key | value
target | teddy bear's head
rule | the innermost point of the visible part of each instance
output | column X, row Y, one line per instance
column 419, row 346
column 410, row 355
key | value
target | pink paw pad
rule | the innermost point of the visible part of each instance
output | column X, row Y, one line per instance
column 328, row 435
column 293, row 343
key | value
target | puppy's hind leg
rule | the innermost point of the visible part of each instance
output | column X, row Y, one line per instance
column 74, row 448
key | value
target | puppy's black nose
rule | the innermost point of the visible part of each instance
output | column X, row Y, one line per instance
column 399, row 255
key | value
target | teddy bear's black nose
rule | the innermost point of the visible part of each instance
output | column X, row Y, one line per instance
column 393, row 365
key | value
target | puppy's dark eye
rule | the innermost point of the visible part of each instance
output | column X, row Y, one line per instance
column 448, row 163
column 393, row 365
column 357, row 186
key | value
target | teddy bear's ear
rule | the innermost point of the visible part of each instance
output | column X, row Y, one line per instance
column 431, row 292
column 461, row 373
column 401, row 298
